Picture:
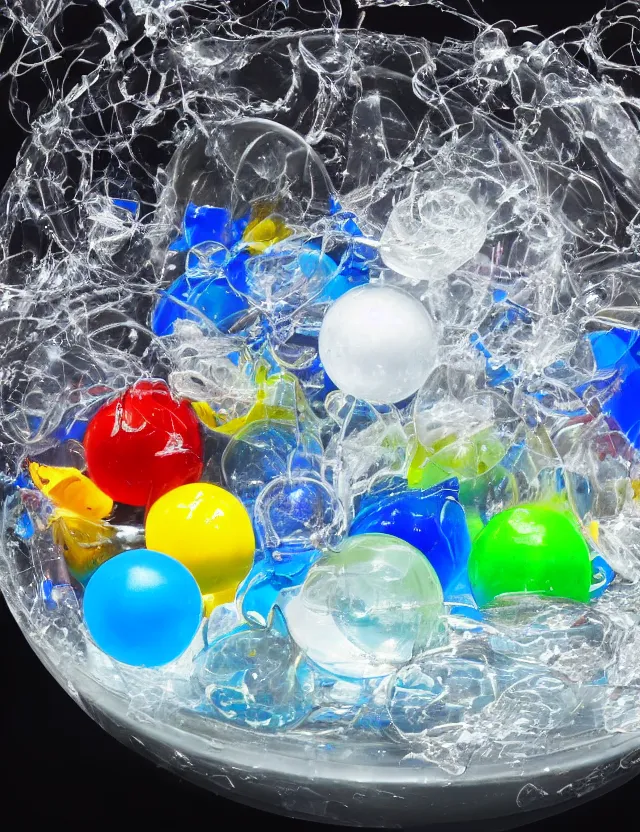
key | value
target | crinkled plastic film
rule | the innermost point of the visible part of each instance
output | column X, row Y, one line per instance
column 504, row 167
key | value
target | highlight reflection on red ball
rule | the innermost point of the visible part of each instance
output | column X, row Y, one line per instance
column 143, row 444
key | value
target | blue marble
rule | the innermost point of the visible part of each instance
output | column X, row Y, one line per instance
column 430, row 519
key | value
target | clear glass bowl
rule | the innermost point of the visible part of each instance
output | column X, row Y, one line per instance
column 337, row 783
column 88, row 221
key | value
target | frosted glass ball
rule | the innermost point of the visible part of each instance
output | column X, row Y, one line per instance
column 368, row 608
column 378, row 343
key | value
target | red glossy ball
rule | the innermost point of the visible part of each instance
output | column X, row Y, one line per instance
column 143, row 444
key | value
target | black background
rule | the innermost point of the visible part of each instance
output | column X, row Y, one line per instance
column 58, row 766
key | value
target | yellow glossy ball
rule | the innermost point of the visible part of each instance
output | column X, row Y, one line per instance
column 209, row 531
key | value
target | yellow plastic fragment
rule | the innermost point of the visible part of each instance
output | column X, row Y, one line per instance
column 278, row 399
column 215, row 599
column 70, row 489
column 275, row 401
column 258, row 412
column 264, row 229
column 206, row 414
column 86, row 544
column 463, row 457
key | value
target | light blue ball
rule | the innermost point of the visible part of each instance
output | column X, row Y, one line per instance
column 143, row 608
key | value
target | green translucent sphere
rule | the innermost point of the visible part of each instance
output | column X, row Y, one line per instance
column 368, row 608
column 530, row 548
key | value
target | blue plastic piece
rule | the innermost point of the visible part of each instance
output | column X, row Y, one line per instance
column 619, row 351
column 315, row 372
column 129, row 205
column 207, row 224
column 623, row 407
column 54, row 594
column 460, row 597
column 47, row 594
column 257, row 596
column 615, row 348
column 430, row 519
column 172, row 305
column 74, row 430
column 197, row 288
column 344, row 280
column 213, row 297
column 603, row 575
column 218, row 302
column 143, row 608
column 23, row 480
column 296, row 509
column 24, row 527
column 353, row 259
column 495, row 375
column 259, row 591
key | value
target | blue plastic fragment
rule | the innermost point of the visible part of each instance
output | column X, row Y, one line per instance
column 73, row 430
column 207, row 224
column 430, row 519
column 619, row 350
column 212, row 297
column 603, row 575
column 129, row 205
column 24, row 527
column 46, row 590
column 495, row 375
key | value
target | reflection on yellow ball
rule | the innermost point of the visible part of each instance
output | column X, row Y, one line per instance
column 209, row 531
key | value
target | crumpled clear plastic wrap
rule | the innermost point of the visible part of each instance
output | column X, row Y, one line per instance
column 497, row 182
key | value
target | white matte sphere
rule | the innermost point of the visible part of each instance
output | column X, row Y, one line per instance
column 378, row 343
